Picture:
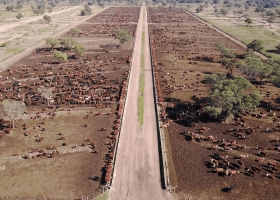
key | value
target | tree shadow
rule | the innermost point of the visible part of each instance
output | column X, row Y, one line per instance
column 272, row 51
column 187, row 113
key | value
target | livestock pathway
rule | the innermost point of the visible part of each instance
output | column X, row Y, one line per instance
column 137, row 171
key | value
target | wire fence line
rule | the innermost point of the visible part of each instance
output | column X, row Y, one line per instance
column 161, row 140
column 47, row 197
column 108, row 185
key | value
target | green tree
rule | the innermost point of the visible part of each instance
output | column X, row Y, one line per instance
column 19, row 6
column 199, row 9
column 255, row 45
column 270, row 13
column 88, row 9
column 223, row 11
column 68, row 43
column 50, row 9
column 212, row 111
column 215, row 78
column 13, row 109
column 60, row 56
column 225, row 53
column 248, row 21
column 19, row 16
column 278, row 48
column 47, row 19
column 84, row 13
column 240, row 12
column 52, row 4
column 41, row 9
column 229, row 65
column 277, row 12
column 275, row 64
column 227, row 96
column 123, row 36
column 100, row 4
column 10, row 8
column 255, row 67
column 79, row 50
column 52, row 41
column 270, row 20
column 36, row 11
column 75, row 31
column 276, row 81
column 216, row 9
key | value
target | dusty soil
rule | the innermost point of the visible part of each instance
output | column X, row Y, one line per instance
column 87, row 93
column 183, row 51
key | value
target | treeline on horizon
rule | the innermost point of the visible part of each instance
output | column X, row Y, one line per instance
column 260, row 5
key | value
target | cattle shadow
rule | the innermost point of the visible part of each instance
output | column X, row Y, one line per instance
column 228, row 189
column 188, row 138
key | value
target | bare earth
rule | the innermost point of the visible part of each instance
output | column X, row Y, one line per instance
column 137, row 171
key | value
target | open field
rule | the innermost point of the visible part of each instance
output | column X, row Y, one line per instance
column 66, row 150
column 20, row 35
column 183, row 51
column 234, row 25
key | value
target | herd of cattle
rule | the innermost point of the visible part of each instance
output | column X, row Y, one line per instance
column 97, row 81
column 183, row 51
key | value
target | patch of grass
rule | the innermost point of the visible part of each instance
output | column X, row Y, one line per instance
column 103, row 196
column 14, row 50
column 247, row 34
column 4, row 44
column 141, row 84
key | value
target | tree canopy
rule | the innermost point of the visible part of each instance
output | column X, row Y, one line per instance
column 52, row 41
column 278, row 48
column 123, row 36
column 248, row 21
column 255, row 45
column 68, row 43
column 75, row 31
column 230, row 63
column 223, row 11
column 86, row 11
column 270, row 20
column 13, row 109
column 79, row 50
column 47, row 19
column 19, row 16
column 255, row 67
column 60, row 56
column 215, row 78
column 227, row 98
column 199, row 9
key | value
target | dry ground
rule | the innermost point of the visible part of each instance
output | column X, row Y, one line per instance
column 192, row 176
column 68, row 174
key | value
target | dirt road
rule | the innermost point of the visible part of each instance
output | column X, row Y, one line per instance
column 137, row 171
